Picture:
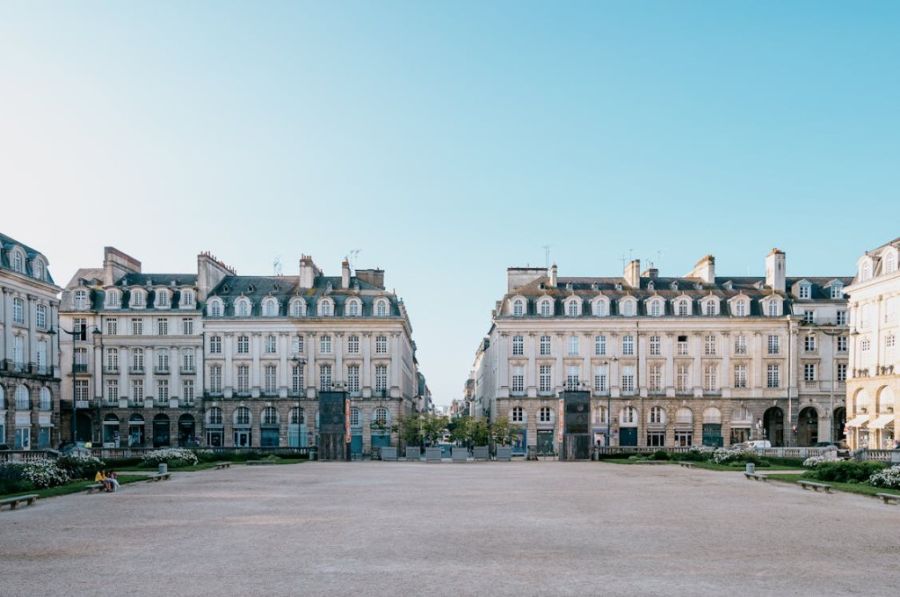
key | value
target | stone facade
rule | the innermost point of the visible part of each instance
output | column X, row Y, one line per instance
column 874, row 381
column 698, row 359
column 29, row 356
column 223, row 360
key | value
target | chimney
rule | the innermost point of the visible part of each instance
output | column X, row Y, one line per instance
column 553, row 276
column 516, row 277
column 210, row 271
column 775, row 270
column 633, row 273
column 345, row 274
column 375, row 277
column 308, row 272
column 705, row 269
column 116, row 264
column 651, row 273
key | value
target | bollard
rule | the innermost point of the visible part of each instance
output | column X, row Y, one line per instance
column 751, row 468
column 163, row 468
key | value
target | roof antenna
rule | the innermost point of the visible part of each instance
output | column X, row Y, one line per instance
column 276, row 266
column 546, row 256
column 354, row 253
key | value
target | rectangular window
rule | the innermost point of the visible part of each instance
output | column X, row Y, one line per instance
column 655, row 378
column 325, row 344
column 187, row 391
column 572, row 381
column 353, row 378
column 740, row 344
column 710, row 378
column 545, row 380
column 78, row 324
column 187, row 326
column 545, row 345
column 162, row 390
column 81, row 390
column 243, row 379
column 215, row 379
column 271, row 344
column 682, row 346
column 890, row 341
column 215, row 344
column 681, row 377
column 655, row 346
column 809, row 372
column 740, row 376
column 627, row 345
column 162, row 361
column 842, row 343
column 381, row 378
column 627, row 380
column 41, row 316
column 137, row 390
column 864, row 344
column 112, row 327
column 518, row 380
column 243, row 344
column 804, row 291
column 112, row 391
column 18, row 311
column 600, row 378
column 297, row 344
column 842, row 318
column 187, row 360
column 353, row 344
column 137, row 327
column 808, row 316
column 271, row 381
column 709, row 345
column 297, row 379
column 325, row 377
column 842, row 372
column 381, row 344
column 773, row 376
column 518, row 345
column 809, row 343
column 112, row 360
column 599, row 345
column 162, row 327
column 773, row 344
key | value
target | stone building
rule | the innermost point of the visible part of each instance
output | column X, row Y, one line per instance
column 222, row 360
column 29, row 361
column 874, row 382
column 668, row 361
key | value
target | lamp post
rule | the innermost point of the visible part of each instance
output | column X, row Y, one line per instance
column 80, row 334
column 833, row 335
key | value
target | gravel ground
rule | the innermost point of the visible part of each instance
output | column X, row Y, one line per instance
column 451, row 529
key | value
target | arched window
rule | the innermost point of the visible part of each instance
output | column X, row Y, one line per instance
column 656, row 308
column 112, row 299
column 380, row 417
column 242, row 416
column 381, row 308
column 573, row 307
column 890, row 263
column 740, row 308
column 712, row 416
column 46, row 400
column 772, row 308
column 270, row 307
column 22, row 401
column 18, row 261
column 657, row 416
column 187, row 298
column 242, row 307
column 297, row 307
column 684, row 416
column 518, row 307
column 710, row 307
column 138, row 299
column 517, row 414
column 600, row 307
column 214, row 416
column 600, row 415
column 627, row 307
column 682, row 307
column 269, row 416
column 353, row 308
column 545, row 307
column 37, row 268
column 628, row 417
column 162, row 299
column 866, row 271
column 326, row 307
column 297, row 417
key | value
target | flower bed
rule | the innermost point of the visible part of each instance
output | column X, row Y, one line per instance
column 37, row 474
column 888, row 478
column 171, row 456
column 80, row 466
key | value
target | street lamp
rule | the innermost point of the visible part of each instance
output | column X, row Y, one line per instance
column 80, row 334
column 833, row 335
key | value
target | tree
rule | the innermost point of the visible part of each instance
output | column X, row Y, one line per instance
column 503, row 432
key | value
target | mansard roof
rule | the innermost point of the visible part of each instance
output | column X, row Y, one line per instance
column 6, row 245
column 140, row 279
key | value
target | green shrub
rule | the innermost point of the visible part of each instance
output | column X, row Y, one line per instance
column 695, row 455
column 846, row 471
column 12, row 478
column 80, row 466
column 660, row 455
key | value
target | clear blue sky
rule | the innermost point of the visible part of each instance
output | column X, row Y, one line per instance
column 451, row 140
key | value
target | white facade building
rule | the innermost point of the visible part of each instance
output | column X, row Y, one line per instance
column 874, row 382
column 29, row 361
column 698, row 359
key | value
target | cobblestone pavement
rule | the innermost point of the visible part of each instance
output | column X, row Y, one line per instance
column 452, row 529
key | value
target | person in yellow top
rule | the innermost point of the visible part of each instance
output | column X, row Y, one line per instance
column 100, row 477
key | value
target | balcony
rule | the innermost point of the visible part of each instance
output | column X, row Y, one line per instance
column 80, row 368
column 188, row 371
column 136, row 370
column 111, row 370
column 161, row 370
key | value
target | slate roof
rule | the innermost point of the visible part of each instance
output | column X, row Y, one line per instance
column 6, row 245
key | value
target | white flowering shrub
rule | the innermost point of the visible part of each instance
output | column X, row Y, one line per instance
column 735, row 455
column 80, row 466
column 44, row 473
column 814, row 461
column 888, row 478
column 170, row 456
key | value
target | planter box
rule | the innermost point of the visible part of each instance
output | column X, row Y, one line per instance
column 432, row 454
column 413, row 453
column 481, row 453
column 389, row 453
column 460, row 454
column 504, row 453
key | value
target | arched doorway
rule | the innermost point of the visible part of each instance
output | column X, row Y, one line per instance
column 110, row 431
column 161, row 436
column 186, row 431
column 83, row 426
column 808, row 427
column 838, row 424
column 712, row 427
column 773, row 426
column 136, row 431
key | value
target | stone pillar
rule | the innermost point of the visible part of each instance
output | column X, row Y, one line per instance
column 228, row 366
column 586, row 373
column 312, row 374
column 98, row 371
column 124, row 362
column 283, row 371
column 31, row 318
column 531, row 369
column 149, row 364
column 669, row 353
column 367, row 365
column 395, row 361
column 175, row 379
column 255, row 373
column 7, row 336
column 338, row 378
column 559, row 374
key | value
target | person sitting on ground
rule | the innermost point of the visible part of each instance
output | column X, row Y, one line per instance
column 111, row 478
column 100, row 477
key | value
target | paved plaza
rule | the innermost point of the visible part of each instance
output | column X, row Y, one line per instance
column 417, row 529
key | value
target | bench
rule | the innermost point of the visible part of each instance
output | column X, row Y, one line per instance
column 889, row 498
column 159, row 477
column 94, row 487
column 221, row 465
column 12, row 502
column 815, row 486
column 258, row 462
column 686, row 464
column 755, row 476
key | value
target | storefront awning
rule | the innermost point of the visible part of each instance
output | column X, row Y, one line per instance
column 882, row 421
column 858, row 421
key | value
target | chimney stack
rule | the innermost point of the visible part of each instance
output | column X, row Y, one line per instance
column 308, row 272
column 705, row 269
column 345, row 274
column 633, row 273
column 775, row 270
column 553, row 276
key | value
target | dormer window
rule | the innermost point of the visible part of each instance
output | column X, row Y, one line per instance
column 627, row 307
column 354, row 309
column 187, row 298
column 710, row 308
column 37, row 269
column 297, row 308
column 138, row 299
column 112, row 299
column 573, row 307
column 545, row 307
column 326, row 308
column 381, row 308
column 683, row 307
column 18, row 261
column 890, row 263
column 162, row 299
column 804, row 291
column 518, row 308
column 674, row 285
column 81, row 300
column 270, row 307
column 837, row 290
column 772, row 308
column 866, row 271
column 600, row 307
column 214, row 308
column 656, row 308
column 740, row 308
column 242, row 307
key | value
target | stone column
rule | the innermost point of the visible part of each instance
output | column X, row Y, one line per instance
column 758, row 375
column 283, row 371
column 228, row 366
column 255, row 373
column 175, row 368
column 367, row 364
column 31, row 318
column 395, row 360
column 149, row 364
column 531, row 370
column 669, row 353
column 98, row 371
column 123, row 374
column 312, row 374
column 338, row 378
column 559, row 375
column 695, row 349
column 7, row 336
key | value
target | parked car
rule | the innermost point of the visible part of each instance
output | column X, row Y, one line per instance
column 755, row 444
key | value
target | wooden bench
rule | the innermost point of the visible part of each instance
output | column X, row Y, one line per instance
column 13, row 502
column 889, row 498
column 94, row 487
column 159, row 477
column 686, row 464
column 221, row 465
column 755, row 476
column 815, row 486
